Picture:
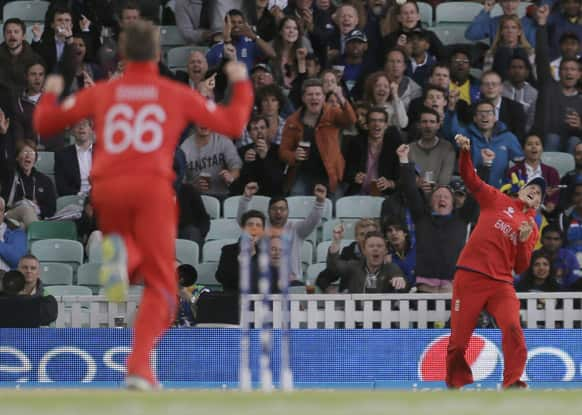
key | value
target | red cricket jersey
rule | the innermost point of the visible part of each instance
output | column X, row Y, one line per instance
column 494, row 248
column 139, row 118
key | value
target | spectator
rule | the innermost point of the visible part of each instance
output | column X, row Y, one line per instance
column 29, row 194
column 27, row 99
column 540, row 276
column 559, row 105
column 564, row 19
column 73, row 163
column 16, row 55
column 197, row 69
column 372, row 274
column 518, row 89
column 262, row 75
column 401, row 249
column 261, row 162
column 420, row 61
column 371, row 162
column 532, row 166
column 308, row 66
column 29, row 311
column 323, row 163
column 29, row 266
column 279, row 223
column 435, row 98
column 569, row 49
column 212, row 162
column 459, row 193
column 12, row 242
column 440, row 231
column 57, row 51
column 440, row 78
column 83, row 74
column 462, row 81
column 188, row 294
column 485, row 26
column 571, row 221
column 565, row 266
column 409, row 22
column 509, row 112
column 380, row 92
column 509, row 42
column 347, row 20
column 395, row 66
column 353, row 251
column 240, row 43
column 260, row 17
column 570, row 179
column 270, row 101
column 355, row 67
column 434, row 156
column 188, row 19
column 486, row 133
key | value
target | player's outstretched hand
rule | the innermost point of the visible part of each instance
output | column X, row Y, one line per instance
column 525, row 229
column 236, row 71
column 463, row 142
column 54, row 84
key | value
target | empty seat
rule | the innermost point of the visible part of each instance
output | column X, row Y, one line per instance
column 260, row 203
column 359, row 207
column 187, row 252
column 60, row 290
column 88, row 276
column 212, row 249
column 314, row 270
column 207, row 275
column 52, row 273
column 58, row 250
column 306, row 254
column 212, row 206
column 223, row 229
column 29, row 11
column 563, row 162
column 300, row 207
column 426, row 13
column 45, row 162
column 451, row 34
column 323, row 247
column 460, row 12
column 63, row 201
column 170, row 37
column 52, row 230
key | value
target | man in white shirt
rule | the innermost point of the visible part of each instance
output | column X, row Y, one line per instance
column 73, row 163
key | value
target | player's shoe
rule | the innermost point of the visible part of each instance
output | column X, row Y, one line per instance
column 137, row 383
column 113, row 273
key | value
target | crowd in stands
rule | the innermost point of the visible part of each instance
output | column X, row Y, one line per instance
column 339, row 87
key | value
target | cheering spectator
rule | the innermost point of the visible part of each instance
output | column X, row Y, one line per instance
column 73, row 163
column 401, row 249
column 462, row 81
column 380, row 92
column 571, row 221
column 540, row 276
column 395, row 66
column 12, row 242
column 569, row 49
column 197, row 69
column 565, row 266
column 57, row 50
column 28, row 98
column 518, row 89
column 564, row 19
column 420, row 61
column 16, row 55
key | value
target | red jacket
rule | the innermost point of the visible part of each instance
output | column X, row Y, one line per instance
column 494, row 248
column 139, row 117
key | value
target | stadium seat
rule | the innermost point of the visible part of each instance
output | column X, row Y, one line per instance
column 314, row 270
column 426, row 13
column 300, row 207
column 170, row 37
column 60, row 290
column 63, row 201
column 88, row 276
column 133, row 290
column 29, row 11
column 451, row 34
column 297, row 289
column 45, row 162
column 323, row 247
column 207, row 275
column 46, row 229
column 312, row 237
column 58, row 250
column 521, row 9
column 459, row 12
column 212, row 206
column 257, row 202
column 177, row 58
column 56, row 273
column 187, row 252
column 359, row 207
column 306, row 254
column 563, row 162
column 212, row 249
column 223, row 229
column 349, row 228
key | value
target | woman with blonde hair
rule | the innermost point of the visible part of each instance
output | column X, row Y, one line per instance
column 380, row 92
column 510, row 41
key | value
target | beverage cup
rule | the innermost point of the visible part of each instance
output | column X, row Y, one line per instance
column 306, row 146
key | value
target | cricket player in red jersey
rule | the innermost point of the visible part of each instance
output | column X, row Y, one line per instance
column 138, row 120
column 502, row 241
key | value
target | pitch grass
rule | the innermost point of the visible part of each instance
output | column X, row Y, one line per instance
column 337, row 402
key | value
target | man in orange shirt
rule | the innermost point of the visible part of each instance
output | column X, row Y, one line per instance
column 138, row 119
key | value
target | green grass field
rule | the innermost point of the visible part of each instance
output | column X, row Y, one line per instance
column 338, row 402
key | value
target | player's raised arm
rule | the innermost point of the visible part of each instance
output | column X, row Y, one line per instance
column 230, row 119
column 51, row 117
column 481, row 191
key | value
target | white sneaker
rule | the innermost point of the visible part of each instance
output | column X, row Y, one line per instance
column 136, row 383
column 113, row 273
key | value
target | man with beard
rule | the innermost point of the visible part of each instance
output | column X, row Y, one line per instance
column 15, row 55
column 462, row 83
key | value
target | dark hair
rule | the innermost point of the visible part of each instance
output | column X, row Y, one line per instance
column 374, row 234
column 395, row 222
column 427, row 110
column 552, row 227
column 62, row 10
column 129, row 5
column 187, row 275
column 434, row 87
column 255, row 119
column 33, row 63
column 253, row 213
column 527, row 279
column 14, row 20
column 140, row 41
column 566, row 60
column 565, row 36
column 13, row 282
column 395, row 49
column 235, row 12
column 277, row 199
column 378, row 110
column 271, row 90
column 439, row 65
column 27, row 142
column 311, row 82
column 481, row 102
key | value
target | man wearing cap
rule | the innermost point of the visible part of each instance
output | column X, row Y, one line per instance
column 502, row 243
column 421, row 61
column 353, row 59
column 262, row 75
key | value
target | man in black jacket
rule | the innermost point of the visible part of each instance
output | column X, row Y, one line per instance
column 73, row 163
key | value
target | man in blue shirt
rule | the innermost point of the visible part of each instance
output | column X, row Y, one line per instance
column 12, row 242
column 564, row 262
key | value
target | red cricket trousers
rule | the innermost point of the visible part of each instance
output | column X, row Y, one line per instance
column 473, row 292
column 143, row 211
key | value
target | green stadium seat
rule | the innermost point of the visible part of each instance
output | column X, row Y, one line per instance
column 52, row 230
column 458, row 12
column 212, row 206
column 426, row 13
column 45, row 162
column 306, row 254
column 212, row 249
column 260, row 203
column 314, row 270
column 54, row 273
column 301, row 206
column 223, row 229
column 170, row 37
column 88, row 276
column 187, row 252
column 563, row 162
column 28, row 11
column 58, row 250
column 207, row 275
column 349, row 228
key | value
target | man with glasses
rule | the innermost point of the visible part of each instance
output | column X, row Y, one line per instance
column 462, row 84
column 279, row 221
column 486, row 133
column 564, row 262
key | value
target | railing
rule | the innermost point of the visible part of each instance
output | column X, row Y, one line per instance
column 548, row 310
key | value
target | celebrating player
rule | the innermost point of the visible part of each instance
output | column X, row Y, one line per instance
column 138, row 119
column 502, row 241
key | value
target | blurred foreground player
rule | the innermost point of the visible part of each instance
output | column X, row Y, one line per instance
column 502, row 241
column 138, row 119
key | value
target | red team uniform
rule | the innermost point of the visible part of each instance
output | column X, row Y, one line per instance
column 138, row 120
column 484, row 279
